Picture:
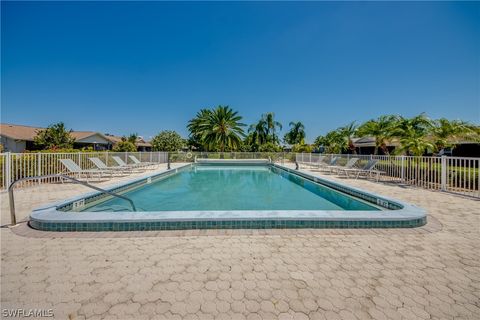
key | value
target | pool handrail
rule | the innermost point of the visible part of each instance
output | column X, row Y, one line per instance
column 13, row 219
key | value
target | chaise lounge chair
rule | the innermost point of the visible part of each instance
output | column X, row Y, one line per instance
column 145, row 164
column 349, row 165
column 114, row 169
column 74, row 168
column 368, row 170
column 123, row 164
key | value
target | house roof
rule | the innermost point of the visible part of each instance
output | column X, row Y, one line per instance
column 18, row 132
column 28, row 133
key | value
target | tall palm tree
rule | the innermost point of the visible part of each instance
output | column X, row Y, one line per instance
column 446, row 133
column 349, row 132
column 218, row 129
column 381, row 129
column 272, row 125
column 296, row 135
column 259, row 132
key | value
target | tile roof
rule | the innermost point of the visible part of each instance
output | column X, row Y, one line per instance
column 28, row 133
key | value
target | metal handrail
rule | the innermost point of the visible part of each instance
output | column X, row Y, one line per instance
column 86, row 184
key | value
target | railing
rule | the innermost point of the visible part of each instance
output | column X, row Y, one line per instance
column 450, row 174
column 11, row 197
column 14, row 166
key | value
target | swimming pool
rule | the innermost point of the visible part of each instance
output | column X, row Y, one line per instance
column 228, row 195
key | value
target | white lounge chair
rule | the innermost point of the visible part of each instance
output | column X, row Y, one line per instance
column 368, row 170
column 325, row 165
column 349, row 165
column 123, row 164
column 74, row 168
column 138, row 162
column 114, row 169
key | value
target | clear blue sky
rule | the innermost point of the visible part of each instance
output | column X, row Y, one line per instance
column 144, row 67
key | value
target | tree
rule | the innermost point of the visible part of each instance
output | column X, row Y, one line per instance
column 272, row 125
column 258, row 133
column 167, row 141
column 349, row 132
column 124, row 146
column 333, row 142
column 412, row 135
column 56, row 136
column 265, row 129
column 446, row 133
column 381, row 129
column 218, row 129
column 198, row 126
column 296, row 135
column 269, row 147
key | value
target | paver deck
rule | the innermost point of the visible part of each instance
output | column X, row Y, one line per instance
column 431, row 272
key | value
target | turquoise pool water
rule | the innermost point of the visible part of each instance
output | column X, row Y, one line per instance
column 234, row 188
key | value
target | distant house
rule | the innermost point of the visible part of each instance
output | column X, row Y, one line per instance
column 18, row 138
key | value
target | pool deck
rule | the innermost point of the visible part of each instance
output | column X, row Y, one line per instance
column 432, row 272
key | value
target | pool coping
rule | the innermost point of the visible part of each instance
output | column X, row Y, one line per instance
column 398, row 215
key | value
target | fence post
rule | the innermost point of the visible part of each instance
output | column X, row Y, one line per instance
column 8, row 168
column 106, row 158
column 443, row 167
column 403, row 168
column 39, row 166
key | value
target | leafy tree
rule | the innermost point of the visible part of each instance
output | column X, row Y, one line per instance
column 302, row 148
column 269, row 147
column 446, row 133
column 349, row 132
column 167, row 141
column 412, row 135
column 217, row 129
column 333, row 142
column 198, row 126
column 124, row 146
column 381, row 129
column 56, row 136
column 133, row 137
column 258, row 133
column 272, row 125
column 296, row 135
column 265, row 129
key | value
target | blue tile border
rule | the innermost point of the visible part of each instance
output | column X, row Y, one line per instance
column 235, row 224
column 59, row 217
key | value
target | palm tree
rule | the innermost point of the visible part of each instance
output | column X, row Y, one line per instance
column 349, row 132
column 333, row 142
column 412, row 134
column 296, row 135
column 198, row 126
column 381, row 129
column 218, row 129
column 446, row 133
column 259, row 132
column 272, row 125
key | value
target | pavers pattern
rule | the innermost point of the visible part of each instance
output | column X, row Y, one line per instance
column 316, row 274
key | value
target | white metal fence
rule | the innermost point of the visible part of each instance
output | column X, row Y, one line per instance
column 14, row 166
column 458, row 175
column 451, row 174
